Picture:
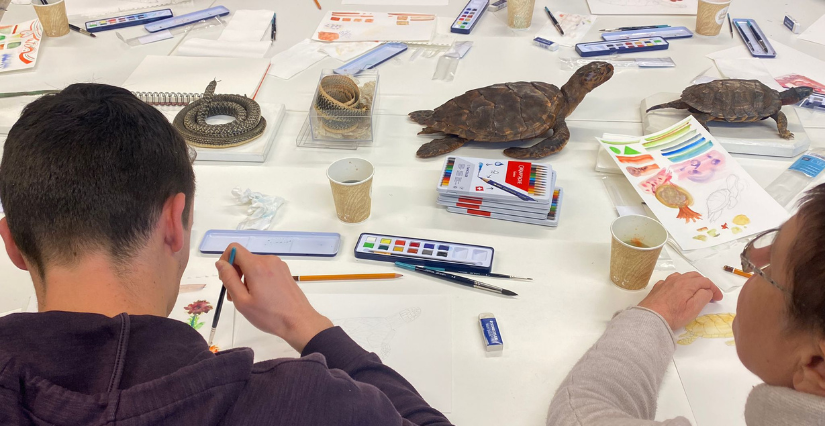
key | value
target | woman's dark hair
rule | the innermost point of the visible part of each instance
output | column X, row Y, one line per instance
column 90, row 168
column 807, row 262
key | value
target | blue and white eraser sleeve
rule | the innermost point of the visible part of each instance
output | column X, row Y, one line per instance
column 490, row 332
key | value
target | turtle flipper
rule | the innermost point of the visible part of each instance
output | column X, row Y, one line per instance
column 440, row 146
column 428, row 131
column 782, row 125
column 677, row 104
column 551, row 145
column 687, row 338
column 422, row 117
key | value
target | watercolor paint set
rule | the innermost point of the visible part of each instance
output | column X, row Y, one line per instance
column 418, row 251
column 621, row 46
column 502, row 180
column 550, row 218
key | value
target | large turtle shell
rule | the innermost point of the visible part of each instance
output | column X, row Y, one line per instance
column 733, row 100
column 501, row 112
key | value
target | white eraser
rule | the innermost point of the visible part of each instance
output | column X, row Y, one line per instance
column 490, row 333
column 792, row 24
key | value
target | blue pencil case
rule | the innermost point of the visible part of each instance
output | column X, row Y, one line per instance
column 323, row 244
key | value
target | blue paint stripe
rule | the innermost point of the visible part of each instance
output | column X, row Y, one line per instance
column 683, row 143
column 701, row 149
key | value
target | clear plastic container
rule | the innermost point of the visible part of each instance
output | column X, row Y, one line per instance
column 794, row 180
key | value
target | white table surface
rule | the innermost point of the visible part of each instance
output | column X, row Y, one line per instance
column 558, row 316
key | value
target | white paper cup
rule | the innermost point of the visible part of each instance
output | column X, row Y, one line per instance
column 351, row 183
column 637, row 242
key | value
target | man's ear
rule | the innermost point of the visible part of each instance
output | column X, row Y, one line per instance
column 810, row 378
column 173, row 225
column 11, row 248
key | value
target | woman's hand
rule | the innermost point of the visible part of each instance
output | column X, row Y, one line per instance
column 680, row 298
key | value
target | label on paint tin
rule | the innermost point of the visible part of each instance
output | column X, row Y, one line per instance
column 809, row 164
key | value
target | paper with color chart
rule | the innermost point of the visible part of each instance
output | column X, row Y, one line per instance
column 410, row 333
column 715, row 381
column 694, row 187
column 19, row 44
column 815, row 33
column 643, row 7
column 375, row 26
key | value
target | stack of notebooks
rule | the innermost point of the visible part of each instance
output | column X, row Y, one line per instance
column 517, row 191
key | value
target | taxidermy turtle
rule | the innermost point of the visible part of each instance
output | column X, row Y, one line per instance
column 711, row 326
column 738, row 101
column 510, row 112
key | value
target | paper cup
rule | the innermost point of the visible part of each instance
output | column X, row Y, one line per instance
column 637, row 242
column 351, row 182
column 520, row 13
column 53, row 17
column 710, row 16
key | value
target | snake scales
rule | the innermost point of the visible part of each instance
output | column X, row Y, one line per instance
column 247, row 126
column 339, row 104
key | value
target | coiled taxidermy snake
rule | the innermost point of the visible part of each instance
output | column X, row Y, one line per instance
column 248, row 124
column 339, row 105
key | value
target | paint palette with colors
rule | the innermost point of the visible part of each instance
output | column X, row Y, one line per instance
column 417, row 251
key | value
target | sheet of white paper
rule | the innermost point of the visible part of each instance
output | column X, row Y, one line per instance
column 110, row 7
column 185, row 74
column 747, row 69
column 295, row 59
column 411, row 333
column 643, row 7
column 816, row 32
column 14, row 311
column 223, row 48
column 715, row 381
column 247, row 25
column 197, row 310
column 375, row 26
column 398, row 2
column 346, row 51
column 695, row 188
column 575, row 27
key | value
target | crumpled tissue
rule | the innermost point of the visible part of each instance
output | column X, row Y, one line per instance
column 261, row 211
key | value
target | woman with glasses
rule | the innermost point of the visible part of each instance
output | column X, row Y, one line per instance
column 779, row 331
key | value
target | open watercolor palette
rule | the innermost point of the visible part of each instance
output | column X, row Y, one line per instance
column 417, row 251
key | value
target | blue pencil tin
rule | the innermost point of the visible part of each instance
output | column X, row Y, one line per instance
column 756, row 41
column 322, row 244
column 417, row 251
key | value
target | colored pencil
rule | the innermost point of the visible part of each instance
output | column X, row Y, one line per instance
column 189, row 288
column 342, row 277
column 457, row 279
column 737, row 271
column 220, row 303
column 318, row 4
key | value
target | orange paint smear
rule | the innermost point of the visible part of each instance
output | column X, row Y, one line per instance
column 647, row 158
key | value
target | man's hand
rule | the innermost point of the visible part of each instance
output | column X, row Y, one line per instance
column 269, row 298
column 680, row 298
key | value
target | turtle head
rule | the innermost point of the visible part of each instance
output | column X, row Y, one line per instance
column 584, row 80
column 795, row 94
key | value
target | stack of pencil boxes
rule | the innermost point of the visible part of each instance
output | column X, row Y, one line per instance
column 517, row 191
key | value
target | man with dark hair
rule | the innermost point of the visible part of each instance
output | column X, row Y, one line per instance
column 97, row 188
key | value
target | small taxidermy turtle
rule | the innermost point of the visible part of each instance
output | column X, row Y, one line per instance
column 738, row 101
column 510, row 112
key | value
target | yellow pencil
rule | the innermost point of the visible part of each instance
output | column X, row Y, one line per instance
column 341, row 277
column 318, row 4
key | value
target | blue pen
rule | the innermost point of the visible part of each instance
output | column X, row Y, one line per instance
column 220, row 303
column 274, row 29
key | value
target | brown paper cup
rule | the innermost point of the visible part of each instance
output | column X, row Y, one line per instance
column 630, row 265
column 351, row 183
column 53, row 17
column 520, row 13
column 710, row 16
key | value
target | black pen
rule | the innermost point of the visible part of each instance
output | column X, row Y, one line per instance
column 758, row 37
column 730, row 26
column 274, row 30
column 81, row 30
column 456, row 279
column 553, row 18
column 744, row 36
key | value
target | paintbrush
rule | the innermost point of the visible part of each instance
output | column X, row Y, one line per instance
column 217, row 316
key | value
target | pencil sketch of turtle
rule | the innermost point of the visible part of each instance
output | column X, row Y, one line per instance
column 710, row 326
column 375, row 334
column 725, row 198
column 738, row 101
column 510, row 112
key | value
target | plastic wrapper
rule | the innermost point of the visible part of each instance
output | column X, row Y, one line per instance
column 261, row 211
column 172, row 33
column 448, row 63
